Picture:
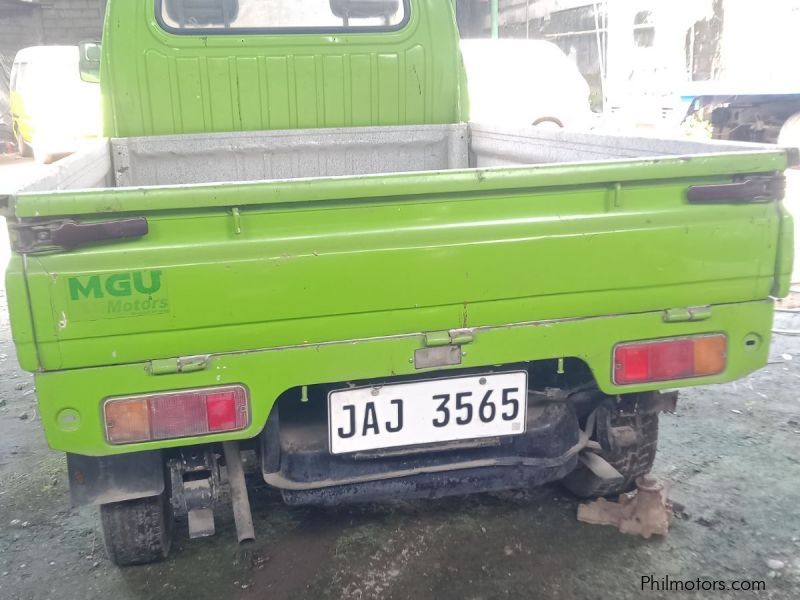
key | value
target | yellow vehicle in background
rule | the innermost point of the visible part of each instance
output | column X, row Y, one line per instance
column 52, row 110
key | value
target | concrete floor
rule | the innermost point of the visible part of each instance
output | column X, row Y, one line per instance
column 730, row 453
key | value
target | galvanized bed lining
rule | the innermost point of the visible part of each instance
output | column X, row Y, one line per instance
column 493, row 146
column 267, row 155
column 257, row 156
column 89, row 168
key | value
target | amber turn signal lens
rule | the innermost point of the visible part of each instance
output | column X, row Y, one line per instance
column 670, row 359
column 127, row 421
column 710, row 355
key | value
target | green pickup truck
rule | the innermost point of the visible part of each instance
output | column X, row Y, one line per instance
column 294, row 248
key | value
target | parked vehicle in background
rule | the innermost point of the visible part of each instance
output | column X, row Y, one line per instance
column 525, row 82
column 6, row 136
column 754, row 94
column 53, row 111
column 7, row 141
column 296, row 245
column 746, row 111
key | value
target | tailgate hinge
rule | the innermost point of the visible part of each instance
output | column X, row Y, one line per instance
column 752, row 188
column 65, row 234
column 687, row 315
column 184, row 364
column 454, row 337
column 443, row 348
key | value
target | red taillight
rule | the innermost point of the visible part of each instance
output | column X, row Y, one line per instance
column 176, row 414
column 670, row 360
column 223, row 412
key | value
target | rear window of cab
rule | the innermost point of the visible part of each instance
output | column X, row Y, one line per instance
column 276, row 16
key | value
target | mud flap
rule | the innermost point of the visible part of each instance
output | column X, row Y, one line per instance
column 107, row 479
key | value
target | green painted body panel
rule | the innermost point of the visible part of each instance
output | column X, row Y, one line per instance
column 291, row 283
column 156, row 83
column 267, row 373
column 786, row 251
column 339, row 279
column 20, row 314
column 459, row 256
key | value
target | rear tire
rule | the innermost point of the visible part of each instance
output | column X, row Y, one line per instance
column 631, row 461
column 137, row 532
column 790, row 132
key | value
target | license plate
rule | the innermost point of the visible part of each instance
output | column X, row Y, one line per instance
column 427, row 412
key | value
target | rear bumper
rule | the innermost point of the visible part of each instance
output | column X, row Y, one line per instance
column 433, row 485
column 308, row 474
column 71, row 401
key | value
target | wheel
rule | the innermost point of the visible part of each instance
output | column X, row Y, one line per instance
column 548, row 123
column 22, row 147
column 137, row 532
column 634, row 459
column 790, row 132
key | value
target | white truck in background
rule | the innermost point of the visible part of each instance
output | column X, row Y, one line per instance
column 747, row 112
column 756, row 95
column 525, row 83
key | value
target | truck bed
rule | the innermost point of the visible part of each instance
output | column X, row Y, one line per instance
column 275, row 155
column 416, row 228
column 286, row 259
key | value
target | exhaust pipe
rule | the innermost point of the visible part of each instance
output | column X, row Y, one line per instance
column 241, row 502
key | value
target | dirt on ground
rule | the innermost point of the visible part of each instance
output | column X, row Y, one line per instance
column 731, row 455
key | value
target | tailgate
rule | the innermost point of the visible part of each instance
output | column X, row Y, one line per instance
column 235, row 267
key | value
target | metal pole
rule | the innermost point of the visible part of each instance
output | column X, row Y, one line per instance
column 495, row 18
column 527, row 19
column 600, row 53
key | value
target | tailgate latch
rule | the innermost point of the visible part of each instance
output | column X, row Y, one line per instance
column 184, row 364
column 65, row 234
column 753, row 188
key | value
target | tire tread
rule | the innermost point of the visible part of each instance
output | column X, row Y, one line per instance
column 137, row 532
column 631, row 462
